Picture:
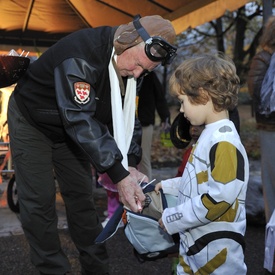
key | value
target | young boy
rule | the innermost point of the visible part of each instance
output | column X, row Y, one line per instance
column 210, row 215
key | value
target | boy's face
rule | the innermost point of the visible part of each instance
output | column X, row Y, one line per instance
column 196, row 114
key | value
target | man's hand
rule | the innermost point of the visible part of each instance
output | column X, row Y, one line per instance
column 165, row 125
column 130, row 193
column 138, row 176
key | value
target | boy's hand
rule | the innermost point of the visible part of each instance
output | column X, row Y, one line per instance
column 157, row 187
column 162, row 225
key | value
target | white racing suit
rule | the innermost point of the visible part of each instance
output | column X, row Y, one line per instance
column 210, row 216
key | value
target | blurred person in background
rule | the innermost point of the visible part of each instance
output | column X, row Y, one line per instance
column 151, row 99
column 265, row 122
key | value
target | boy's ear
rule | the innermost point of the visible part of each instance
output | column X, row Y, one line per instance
column 204, row 95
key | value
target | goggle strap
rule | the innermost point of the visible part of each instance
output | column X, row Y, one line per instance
column 141, row 31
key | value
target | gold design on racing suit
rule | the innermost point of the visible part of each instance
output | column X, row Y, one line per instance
column 226, row 167
column 216, row 208
column 208, row 268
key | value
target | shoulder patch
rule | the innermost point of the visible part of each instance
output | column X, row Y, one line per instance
column 82, row 92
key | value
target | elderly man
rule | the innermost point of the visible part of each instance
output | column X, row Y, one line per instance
column 75, row 106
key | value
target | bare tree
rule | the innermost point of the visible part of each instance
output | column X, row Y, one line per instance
column 236, row 34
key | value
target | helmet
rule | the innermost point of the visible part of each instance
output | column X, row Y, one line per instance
column 179, row 132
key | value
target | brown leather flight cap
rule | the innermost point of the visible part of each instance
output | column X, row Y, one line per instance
column 126, row 35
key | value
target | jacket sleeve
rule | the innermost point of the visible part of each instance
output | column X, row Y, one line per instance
column 258, row 68
column 78, row 117
column 171, row 186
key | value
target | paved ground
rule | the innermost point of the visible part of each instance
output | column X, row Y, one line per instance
column 14, row 258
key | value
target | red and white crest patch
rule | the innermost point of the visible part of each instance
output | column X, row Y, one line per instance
column 82, row 92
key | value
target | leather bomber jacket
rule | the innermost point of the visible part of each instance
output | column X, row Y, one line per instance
column 46, row 96
column 258, row 68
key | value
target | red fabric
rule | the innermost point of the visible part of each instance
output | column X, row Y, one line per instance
column 185, row 157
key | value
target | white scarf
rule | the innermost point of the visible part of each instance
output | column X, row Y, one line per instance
column 123, row 118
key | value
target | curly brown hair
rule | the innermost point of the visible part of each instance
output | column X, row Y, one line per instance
column 268, row 36
column 215, row 74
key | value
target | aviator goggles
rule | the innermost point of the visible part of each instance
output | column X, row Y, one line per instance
column 156, row 48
